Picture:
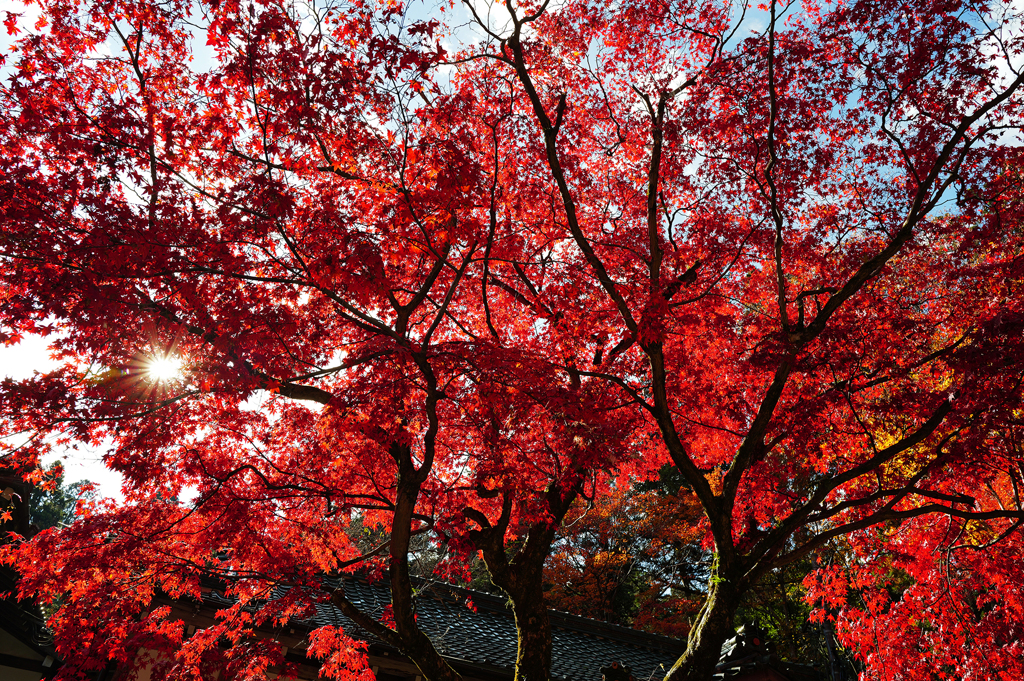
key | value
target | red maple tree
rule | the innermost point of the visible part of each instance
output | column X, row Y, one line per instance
column 448, row 274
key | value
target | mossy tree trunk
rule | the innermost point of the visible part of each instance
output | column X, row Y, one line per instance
column 533, row 636
column 521, row 576
column 713, row 626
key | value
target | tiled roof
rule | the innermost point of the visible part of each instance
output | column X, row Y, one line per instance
column 23, row 620
column 486, row 638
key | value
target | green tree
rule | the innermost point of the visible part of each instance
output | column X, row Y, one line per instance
column 54, row 503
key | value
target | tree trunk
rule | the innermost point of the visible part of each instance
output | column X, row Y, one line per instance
column 533, row 653
column 713, row 627
column 412, row 641
column 522, row 577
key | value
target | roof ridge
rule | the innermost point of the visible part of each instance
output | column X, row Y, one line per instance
column 567, row 620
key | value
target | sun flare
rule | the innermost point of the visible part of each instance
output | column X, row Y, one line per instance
column 165, row 368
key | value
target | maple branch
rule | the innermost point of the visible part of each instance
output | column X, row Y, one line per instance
column 433, row 423
column 653, row 234
column 330, row 168
column 528, row 18
column 519, row 297
column 525, row 279
column 753, row 446
column 774, row 539
column 743, row 15
column 348, row 364
column 620, row 139
column 846, row 385
column 471, row 6
column 294, row 391
column 896, row 495
column 261, row 120
column 454, row 320
column 492, row 227
column 291, row 390
column 555, row 165
column 884, row 455
column 443, row 308
column 372, row 625
column 377, row 550
column 315, row 486
column 134, row 55
column 887, row 515
column 624, row 344
column 725, row 271
column 405, row 311
column 374, row 324
column 773, row 106
column 225, row 478
column 559, row 112
column 717, row 513
column 363, row 320
column 907, row 160
column 633, row 394
column 157, row 407
column 1000, row 537
column 874, row 265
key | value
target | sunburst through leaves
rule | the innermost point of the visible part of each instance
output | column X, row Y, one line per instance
column 164, row 368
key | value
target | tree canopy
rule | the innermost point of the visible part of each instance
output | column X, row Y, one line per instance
column 452, row 269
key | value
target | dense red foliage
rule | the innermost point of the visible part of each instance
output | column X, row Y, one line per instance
column 451, row 273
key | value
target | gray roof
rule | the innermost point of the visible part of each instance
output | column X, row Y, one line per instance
column 485, row 638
